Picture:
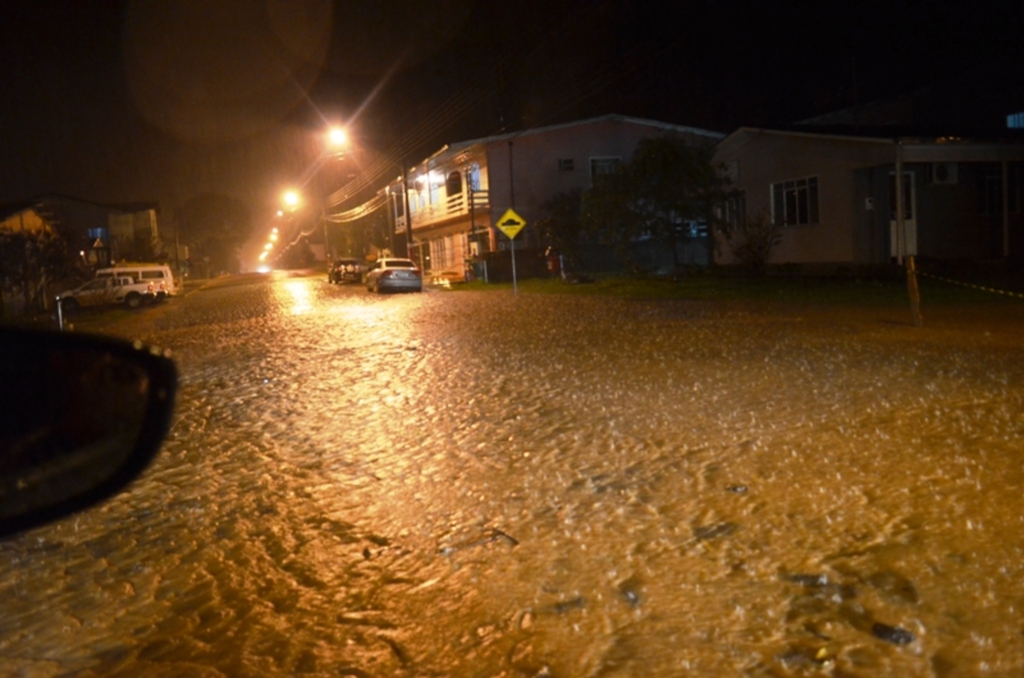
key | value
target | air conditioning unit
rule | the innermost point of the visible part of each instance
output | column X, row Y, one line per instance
column 944, row 172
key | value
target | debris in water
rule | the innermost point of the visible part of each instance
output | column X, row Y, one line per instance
column 892, row 634
column 737, row 489
column 714, row 531
column 807, row 579
column 494, row 534
column 630, row 590
column 567, row 605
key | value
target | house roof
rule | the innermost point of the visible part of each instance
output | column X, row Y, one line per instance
column 664, row 126
column 918, row 148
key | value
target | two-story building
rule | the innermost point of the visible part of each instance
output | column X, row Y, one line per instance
column 457, row 194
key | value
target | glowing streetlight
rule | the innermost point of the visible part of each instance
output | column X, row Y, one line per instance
column 337, row 139
column 291, row 199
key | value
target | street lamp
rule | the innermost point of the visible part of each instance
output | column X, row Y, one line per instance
column 337, row 139
column 291, row 200
column 337, row 145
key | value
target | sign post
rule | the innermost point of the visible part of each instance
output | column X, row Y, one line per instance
column 510, row 224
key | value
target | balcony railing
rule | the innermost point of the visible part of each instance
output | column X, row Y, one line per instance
column 455, row 206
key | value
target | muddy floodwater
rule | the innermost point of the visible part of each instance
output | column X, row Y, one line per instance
column 483, row 484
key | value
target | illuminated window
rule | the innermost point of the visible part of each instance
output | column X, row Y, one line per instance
column 795, row 202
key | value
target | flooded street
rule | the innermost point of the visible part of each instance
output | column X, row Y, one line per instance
column 482, row 484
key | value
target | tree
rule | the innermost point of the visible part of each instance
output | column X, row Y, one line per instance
column 563, row 228
column 29, row 262
column 214, row 227
column 668, row 185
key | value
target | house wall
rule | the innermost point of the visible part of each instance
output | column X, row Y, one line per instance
column 133, row 225
column 961, row 219
column 757, row 159
column 951, row 223
column 871, row 213
column 961, row 227
column 536, row 176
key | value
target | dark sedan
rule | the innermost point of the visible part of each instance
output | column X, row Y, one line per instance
column 345, row 270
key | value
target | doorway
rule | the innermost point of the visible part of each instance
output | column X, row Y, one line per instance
column 909, row 216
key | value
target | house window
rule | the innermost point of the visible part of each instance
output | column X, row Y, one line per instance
column 990, row 191
column 795, row 202
column 734, row 209
column 603, row 166
column 566, row 165
column 453, row 184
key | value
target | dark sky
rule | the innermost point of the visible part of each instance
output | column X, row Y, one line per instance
column 149, row 101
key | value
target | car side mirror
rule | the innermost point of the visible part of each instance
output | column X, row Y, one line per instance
column 82, row 416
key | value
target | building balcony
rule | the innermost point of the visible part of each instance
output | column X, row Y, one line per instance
column 440, row 213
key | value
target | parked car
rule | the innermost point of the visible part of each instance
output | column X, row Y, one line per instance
column 394, row 275
column 160, row 275
column 107, row 291
column 345, row 270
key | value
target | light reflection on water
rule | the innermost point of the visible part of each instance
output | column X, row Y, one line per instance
column 463, row 485
column 295, row 295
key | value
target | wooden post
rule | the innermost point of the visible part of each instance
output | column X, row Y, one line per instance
column 915, row 295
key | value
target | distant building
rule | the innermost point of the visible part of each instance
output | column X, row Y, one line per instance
column 106, row 233
column 129, row 225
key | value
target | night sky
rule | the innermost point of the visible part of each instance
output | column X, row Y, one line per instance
column 145, row 101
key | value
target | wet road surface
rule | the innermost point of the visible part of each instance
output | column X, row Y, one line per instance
column 477, row 484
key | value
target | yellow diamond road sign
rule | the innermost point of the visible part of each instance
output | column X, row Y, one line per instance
column 510, row 224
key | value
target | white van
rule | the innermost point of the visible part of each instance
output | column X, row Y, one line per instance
column 159, row 275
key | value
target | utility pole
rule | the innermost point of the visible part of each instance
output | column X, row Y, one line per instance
column 405, row 209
